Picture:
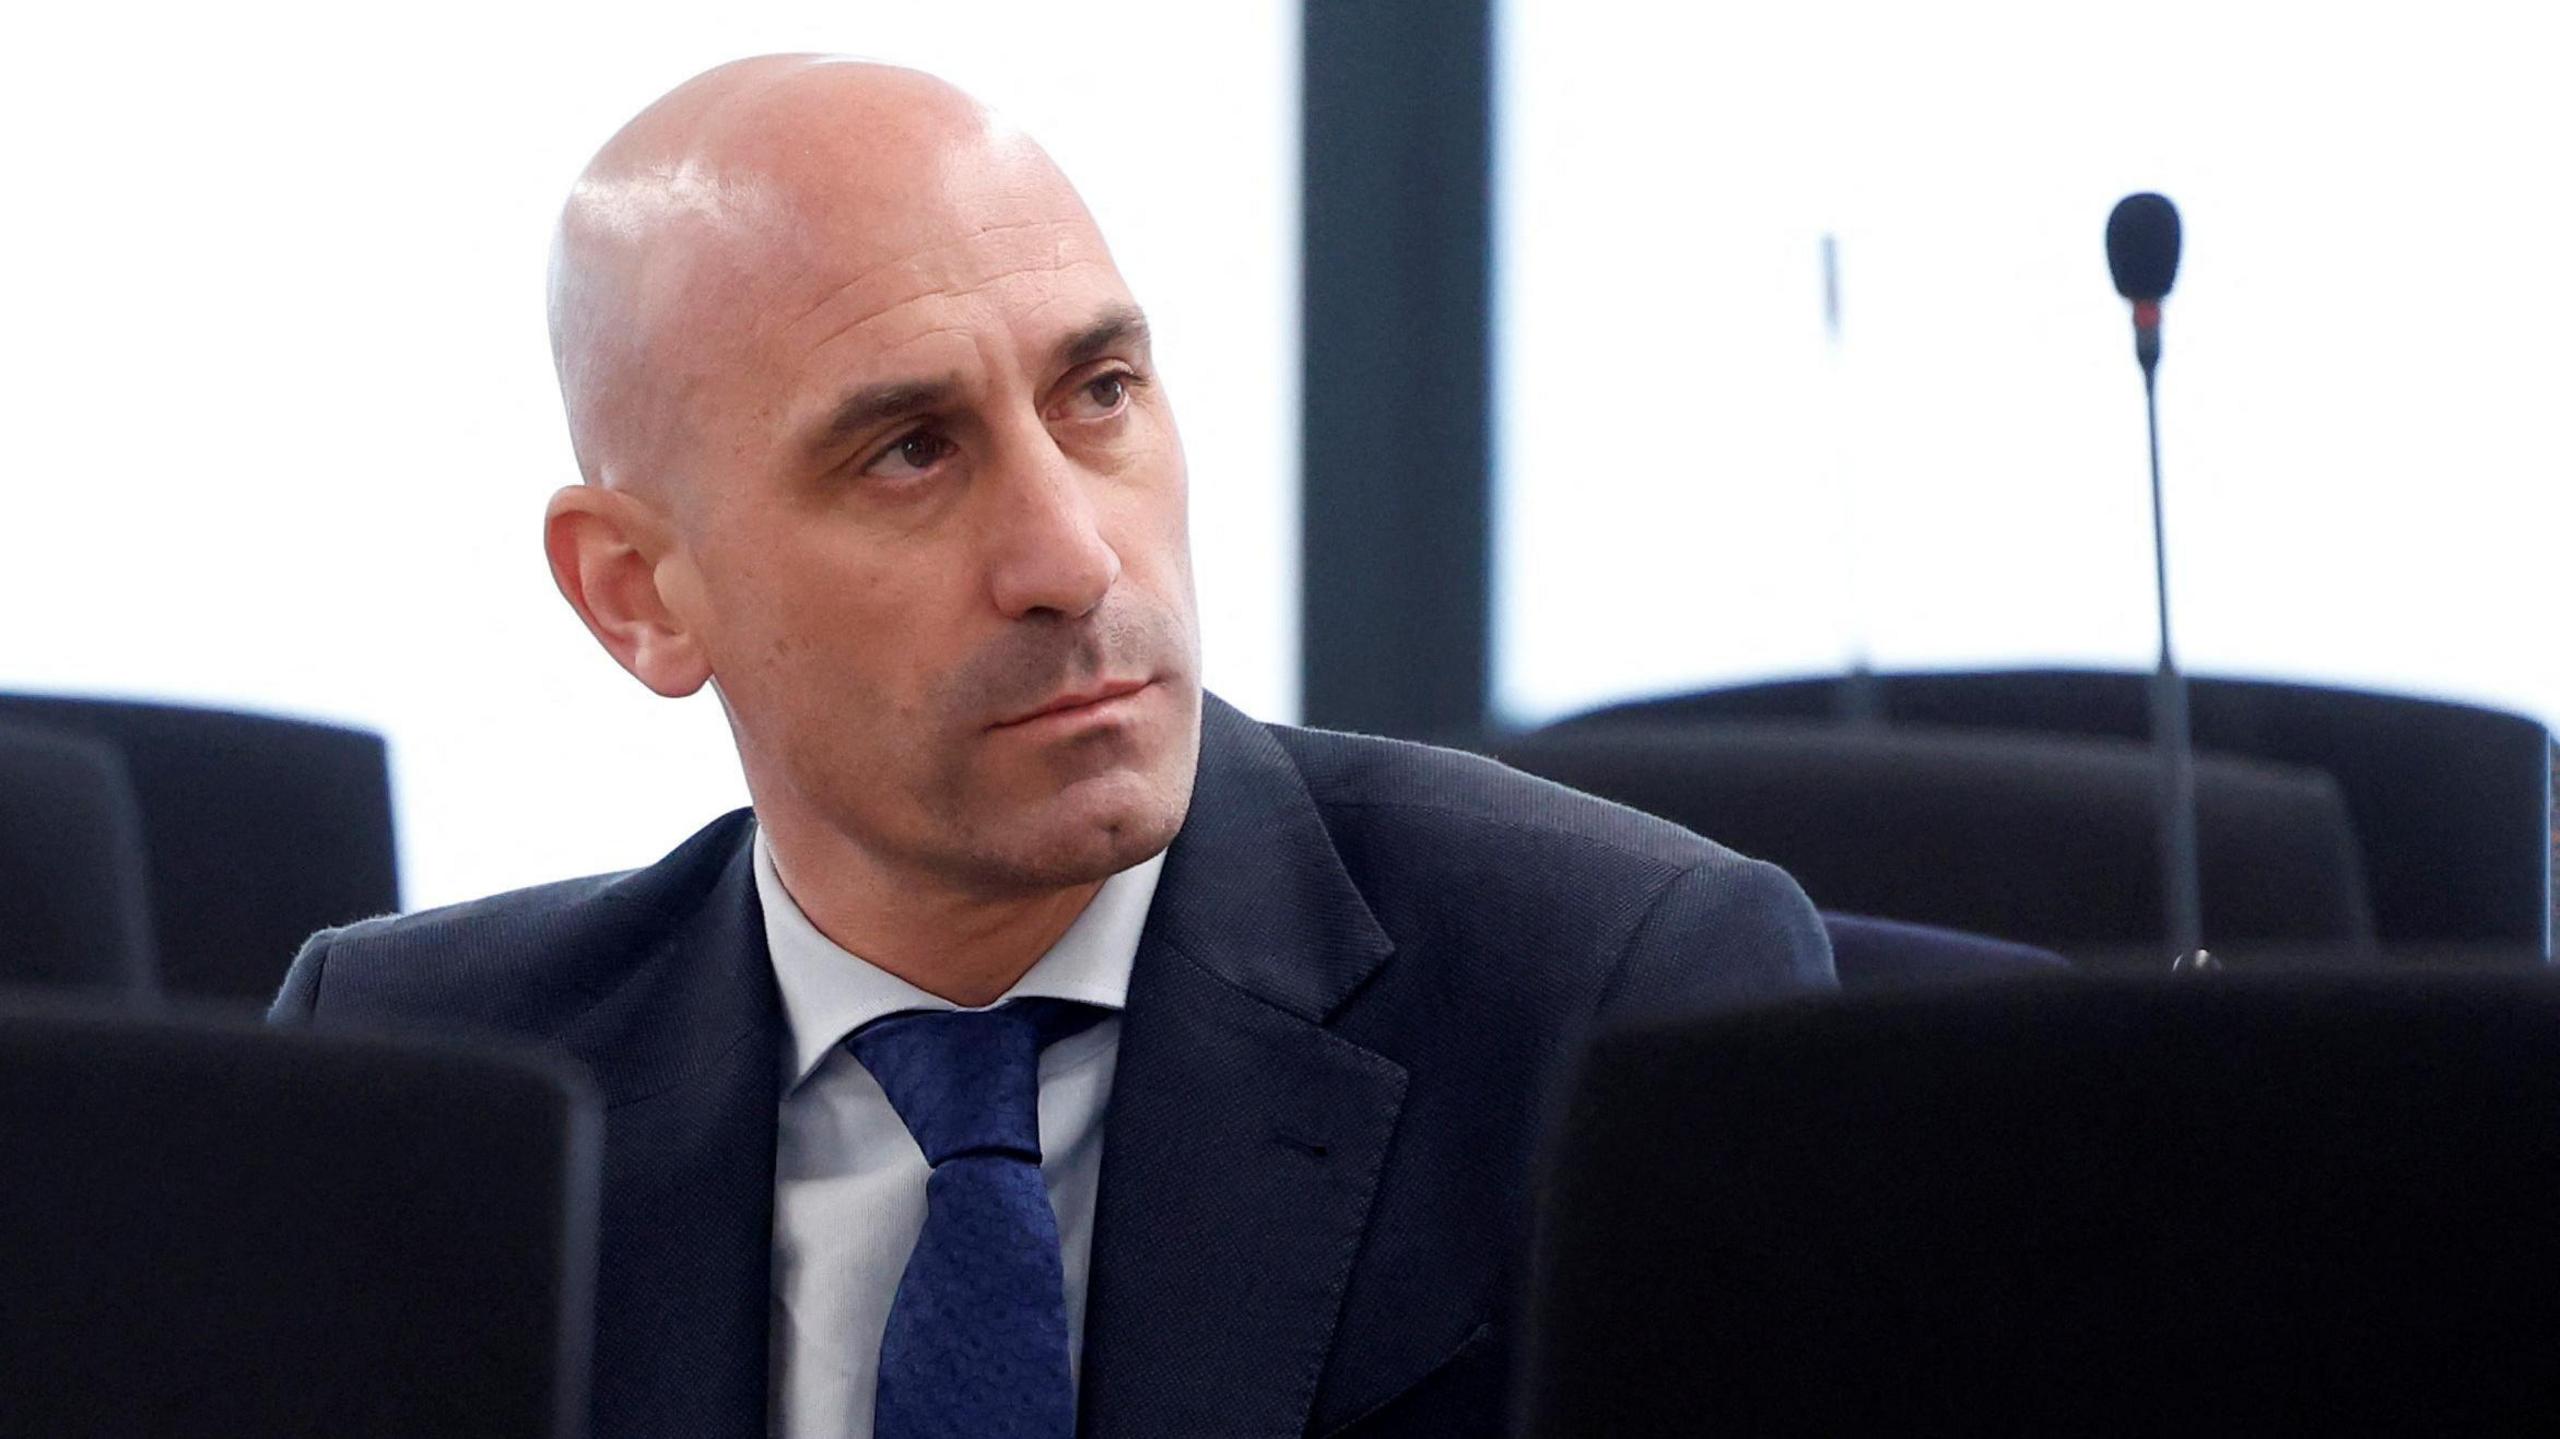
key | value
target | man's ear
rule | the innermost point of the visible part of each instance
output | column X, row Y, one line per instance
column 616, row 563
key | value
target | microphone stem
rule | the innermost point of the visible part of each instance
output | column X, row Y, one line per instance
column 2170, row 728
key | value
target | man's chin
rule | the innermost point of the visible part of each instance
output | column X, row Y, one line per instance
column 1117, row 820
column 1095, row 828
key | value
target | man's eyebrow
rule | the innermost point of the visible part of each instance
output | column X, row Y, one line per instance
column 878, row 404
column 1121, row 325
column 874, row 405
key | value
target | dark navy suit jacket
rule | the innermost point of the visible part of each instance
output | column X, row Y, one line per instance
column 1364, row 962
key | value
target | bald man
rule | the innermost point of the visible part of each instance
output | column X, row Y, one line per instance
column 1051, row 1048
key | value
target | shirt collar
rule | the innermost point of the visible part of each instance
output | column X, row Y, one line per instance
column 828, row 993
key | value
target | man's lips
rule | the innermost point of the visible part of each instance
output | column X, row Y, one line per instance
column 1076, row 700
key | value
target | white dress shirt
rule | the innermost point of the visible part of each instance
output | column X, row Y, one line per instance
column 849, row 1182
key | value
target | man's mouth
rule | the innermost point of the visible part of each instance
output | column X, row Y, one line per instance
column 1092, row 696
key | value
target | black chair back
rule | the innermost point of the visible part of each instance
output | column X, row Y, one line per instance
column 211, row 1227
column 2303, row 1204
column 2452, row 803
column 2047, row 840
column 259, row 830
column 75, row 907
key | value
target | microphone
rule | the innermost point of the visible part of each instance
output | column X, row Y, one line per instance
column 2142, row 255
column 2143, row 240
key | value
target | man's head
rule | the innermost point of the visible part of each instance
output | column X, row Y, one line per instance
column 872, row 440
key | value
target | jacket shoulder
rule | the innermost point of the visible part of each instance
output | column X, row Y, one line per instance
column 1536, row 890
column 1416, row 787
column 506, row 958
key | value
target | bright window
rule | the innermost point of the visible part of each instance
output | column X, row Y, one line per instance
column 2357, row 396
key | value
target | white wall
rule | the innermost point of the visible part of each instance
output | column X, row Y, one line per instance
column 2357, row 396
column 281, row 419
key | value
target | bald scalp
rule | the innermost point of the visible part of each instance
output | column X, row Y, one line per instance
column 666, row 247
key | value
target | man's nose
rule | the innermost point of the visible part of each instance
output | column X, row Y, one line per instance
column 1049, row 552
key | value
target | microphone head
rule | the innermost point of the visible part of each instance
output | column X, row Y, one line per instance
column 2142, row 246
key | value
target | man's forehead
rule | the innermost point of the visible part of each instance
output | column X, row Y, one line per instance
column 833, row 235
column 889, row 285
column 793, row 212
column 957, row 321
column 872, row 162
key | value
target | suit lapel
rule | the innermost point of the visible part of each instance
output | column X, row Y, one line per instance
column 687, row 1051
column 1244, row 1140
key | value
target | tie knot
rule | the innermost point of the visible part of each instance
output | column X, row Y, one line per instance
column 967, row 1081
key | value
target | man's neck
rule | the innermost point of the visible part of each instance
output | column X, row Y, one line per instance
column 966, row 948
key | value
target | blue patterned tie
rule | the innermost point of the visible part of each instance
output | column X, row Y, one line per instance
column 977, row 1339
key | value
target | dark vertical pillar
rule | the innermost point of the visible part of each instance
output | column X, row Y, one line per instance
column 1398, row 366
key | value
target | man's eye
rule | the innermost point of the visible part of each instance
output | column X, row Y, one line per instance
column 1102, row 396
column 910, row 456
